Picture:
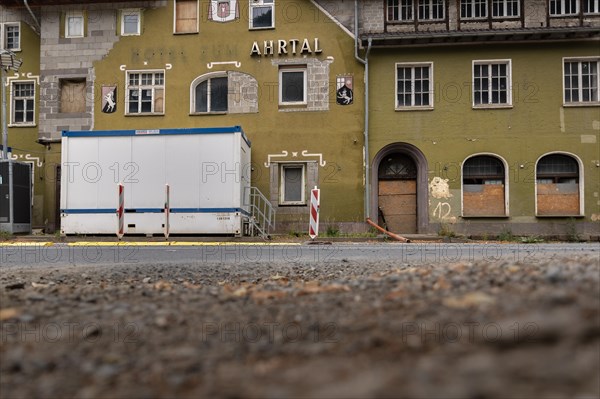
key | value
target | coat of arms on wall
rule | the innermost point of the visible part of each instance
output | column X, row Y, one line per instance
column 223, row 10
column 109, row 99
column 344, row 93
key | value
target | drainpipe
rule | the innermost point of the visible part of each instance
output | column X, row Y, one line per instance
column 365, row 62
column 37, row 24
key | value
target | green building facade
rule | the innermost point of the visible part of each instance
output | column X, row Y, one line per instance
column 451, row 116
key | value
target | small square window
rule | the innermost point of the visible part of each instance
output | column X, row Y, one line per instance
column 262, row 14
column 130, row 22
column 293, row 182
column 10, row 35
column 414, row 86
column 292, row 85
column 74, row 22
column 145, row 93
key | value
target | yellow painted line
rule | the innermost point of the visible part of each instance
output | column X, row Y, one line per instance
column 26, row 244
column 172, row 243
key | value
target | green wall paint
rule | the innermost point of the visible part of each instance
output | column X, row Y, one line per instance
column 536, row 124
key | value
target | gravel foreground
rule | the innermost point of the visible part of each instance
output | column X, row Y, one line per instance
column 339, row 329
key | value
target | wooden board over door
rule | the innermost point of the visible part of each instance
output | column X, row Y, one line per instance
column 398, row 202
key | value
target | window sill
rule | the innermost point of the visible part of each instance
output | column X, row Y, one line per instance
column 21, row 125
column 581, row 104
column 186, row 33
column 208, row 113
column 15, row 50
column 146, row 114
column 404, row 109
column 286, row 205
column 560, row 216
column 492, row 106
column 485, row 216
column 474, row 19
column 568, row 16
column 130, row 34
column 265, row 28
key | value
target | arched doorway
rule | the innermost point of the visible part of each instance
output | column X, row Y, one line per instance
column 399, row 195
column 397, row 210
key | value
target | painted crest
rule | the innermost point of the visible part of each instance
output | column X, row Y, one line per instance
column 344, row 93
column 109, row 99
column 223, row 10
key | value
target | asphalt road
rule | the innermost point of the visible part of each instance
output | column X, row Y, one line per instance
column 248, row 253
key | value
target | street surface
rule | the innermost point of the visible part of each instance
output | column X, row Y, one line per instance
column 322, row 321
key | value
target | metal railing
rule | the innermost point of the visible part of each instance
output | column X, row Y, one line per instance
column 262, row 214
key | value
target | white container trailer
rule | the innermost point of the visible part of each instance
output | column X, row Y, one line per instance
column 207, row 171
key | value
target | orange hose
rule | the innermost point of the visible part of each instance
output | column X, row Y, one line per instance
column 384, row 231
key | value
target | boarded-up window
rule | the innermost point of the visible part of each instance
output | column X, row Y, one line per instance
column 186, row 16
column 293, row 181
column 72, row 95
column 483, row 187
column 557, row 179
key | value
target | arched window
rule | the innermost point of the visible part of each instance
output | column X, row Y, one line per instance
column 484, row 186
column 210, row 94
column 557, row 186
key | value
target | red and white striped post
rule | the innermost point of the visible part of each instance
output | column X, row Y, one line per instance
column 167, row 210
column 121, row 212
column 315, row 201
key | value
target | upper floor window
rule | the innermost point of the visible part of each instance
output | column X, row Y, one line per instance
column 506, row 8
column 414, row 85
column 210, row 94
column 131, row 22
column 74, row 23
column 10, row 36
column 23, row 103
column 431, row 9
column 186, row 16
column 292, row 85
column 473, row 9
column 564, row 7
column 591, row 6
column 492, row 83
column 145, row 92
column 400, row 10
column 262, row 14
column 581, row 81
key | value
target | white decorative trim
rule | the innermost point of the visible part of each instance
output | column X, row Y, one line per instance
column 321, row 162
column 9, row 78
column 168, row 66
column 295, row 155
column 269, row 156
column 237, row 64
column 123, row 67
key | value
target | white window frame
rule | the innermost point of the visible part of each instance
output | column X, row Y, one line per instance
column 257, row 4
column 594, row 7
column 12, row 122
column 505, row 4
column 175, row 19
column 580, row 177
column 472, row 5
column 430, row 4
column 561, row 4
column 412, row 66
column 129, row 12
column 74, row 14
column 4, row 36
column 196, row 82
column 299, row 68
column 580, row 103
column 400, row 7
column 141, row 87
column 506, row 184
column 490, row 104
column 283, row 167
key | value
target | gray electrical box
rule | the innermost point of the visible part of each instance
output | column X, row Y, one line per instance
column 15, row 197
